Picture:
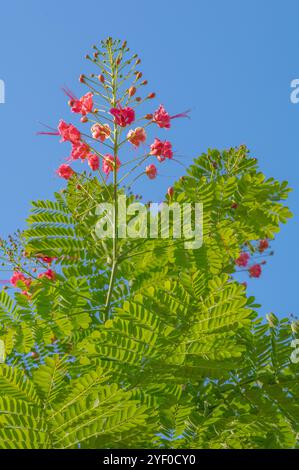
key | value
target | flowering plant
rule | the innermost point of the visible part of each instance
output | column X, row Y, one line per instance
column 139, row 342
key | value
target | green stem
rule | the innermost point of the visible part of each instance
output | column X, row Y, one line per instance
column 114, row 68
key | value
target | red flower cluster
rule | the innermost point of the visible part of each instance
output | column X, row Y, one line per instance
column 65, row 171
column 255, row 270
column 100, row 132
column 80, row 150
column 68, row 132
column 82, row 106
column 243, row 259
column 137, row 136
column 161, row 150
column 263, row 245
column 49, row 274
column 123, row 116
column 108, row 163
column 161, row 117
column 46, row 259
column 20, row 278
column 151, row 171
column 93, row 161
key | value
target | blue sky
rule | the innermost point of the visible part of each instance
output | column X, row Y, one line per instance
column 231, row 62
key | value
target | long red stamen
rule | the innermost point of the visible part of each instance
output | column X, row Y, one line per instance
column 53, row 131
column 69, row 93
column 184, row 115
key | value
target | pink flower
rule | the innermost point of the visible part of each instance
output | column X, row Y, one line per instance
column 242, row 260
column 255, row 270
column 46, row 259
column 101, row 132
column 68, row 132
column 19, row 277
column 65, row 171
column 109, row 162
column 48, row 274
column 123, row 116
column 83, row 106
column 263, row 245
column 137, row 136
column 93, row 161
column 80, row 150
column 151, row 171
column 161, row 149
column 162, row 118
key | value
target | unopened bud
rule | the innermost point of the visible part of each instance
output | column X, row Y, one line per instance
column 145, row 82
column 84, row 119
column 138, row 75
column 170, row 192
column 132, row 91
column 101, row 78
column 81, row 78
column 148, row 116
column 151, row 96
column 138, row 99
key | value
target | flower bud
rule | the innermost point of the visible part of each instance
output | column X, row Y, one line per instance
column 149, row 117
column 138, row 75
column 81, row 78
column 84, row 119
column 138, row 99
column 145, row 82
column 170, row 192
column 151, row 95
column 132, row 91
column 101, row 78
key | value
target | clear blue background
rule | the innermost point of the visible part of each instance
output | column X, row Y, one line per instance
column 230, row 61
